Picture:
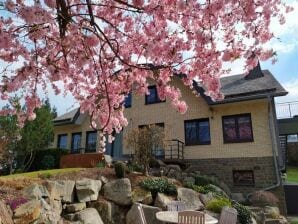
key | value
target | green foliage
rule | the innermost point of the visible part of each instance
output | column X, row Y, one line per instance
column 101, row 164
column 161, row 185
column 120, row 169
column 204, row 189
column 39, row 156
column 135, row 167
column 217, row 204
column 48, row 162
column 46, row 175
column 202, row 180
column 244, row 215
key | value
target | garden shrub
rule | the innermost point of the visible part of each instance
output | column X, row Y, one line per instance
column 159, row 185
column 101, row 164
column 120, row 169
column 244, row 215
column 202, row 180
column 45, row 175
column 204, row 189
column 48, row 162
column 264, row 198
column 216, row 205
column 134, row 167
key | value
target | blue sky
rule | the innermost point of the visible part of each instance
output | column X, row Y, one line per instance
column 285, row 69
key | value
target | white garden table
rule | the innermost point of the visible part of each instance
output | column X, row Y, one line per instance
column 172, row 217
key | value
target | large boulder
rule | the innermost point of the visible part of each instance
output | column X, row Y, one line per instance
column 48, row 213
column 109, row 211
column 142, row 196
column 133, row 216
column 36, row 191
column 87, row 189
column 5, row 214
column 190, row 198
column 88, row 216
column 205, row 198
column 27, row 213
column 76, row 207
column 61, row 190
column 119, row 191
column 219, row 191
column 162, row 200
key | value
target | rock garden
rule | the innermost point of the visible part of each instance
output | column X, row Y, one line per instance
column 109, row 196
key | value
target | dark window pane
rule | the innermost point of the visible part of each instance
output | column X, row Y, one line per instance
column 62, row 141
column 197, row 132
column 204, row 132
column 230, row 129
column 127, row 101
column 245, row 132
column 91, row 142
column 153, row 96
column 76, row 142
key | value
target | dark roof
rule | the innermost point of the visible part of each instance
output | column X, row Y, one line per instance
column 238, row 88
column 67, row 118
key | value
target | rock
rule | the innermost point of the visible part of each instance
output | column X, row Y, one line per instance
column 174, row 167
column 88, row 216
column 56, row 205
column 61, row 190
column 109, row 211
column 48, row 213
column 190, row 198
column 27, row 213
column 5, row 214
column 119, row 191
column 142, row 196
column 271, row 221
column 87, row 189
column 162, row 200
column 108, row 159
column 36, row 191
column 239, row 197
column 273, row 212
column 103, row 179
column 161, row 163
column 72, row 208
column 205, row 198
column 174, row 174
column 133, row 216
column 219, row 190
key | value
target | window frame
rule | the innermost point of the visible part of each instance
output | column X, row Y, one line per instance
column 244, row 184
column 199, row 141
column 87, row 150
column 156, row 100
column 128, row 96
column 236, row 117
column 72, row 142
column 59, row 139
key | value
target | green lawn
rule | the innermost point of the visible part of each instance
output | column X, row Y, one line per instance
column 36, row 174
column 292, row 174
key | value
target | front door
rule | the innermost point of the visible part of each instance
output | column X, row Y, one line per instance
column 114, row 149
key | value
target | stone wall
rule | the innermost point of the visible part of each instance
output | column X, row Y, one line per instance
column 262, row 167
column 292, row 148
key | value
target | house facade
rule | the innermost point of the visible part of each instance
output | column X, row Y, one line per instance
column 235, row 139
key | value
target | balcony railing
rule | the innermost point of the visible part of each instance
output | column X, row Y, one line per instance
column 287, row 109
column 174, row 150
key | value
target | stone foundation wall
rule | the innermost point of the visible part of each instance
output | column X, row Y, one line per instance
column 262, row 167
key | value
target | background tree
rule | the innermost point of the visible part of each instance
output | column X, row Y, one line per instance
column 37, row 134
column 143, row 141
column 103, row 49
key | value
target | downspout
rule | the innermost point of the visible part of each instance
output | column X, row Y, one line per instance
column 272, row 127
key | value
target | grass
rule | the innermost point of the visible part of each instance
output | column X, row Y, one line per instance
column 292, row 174
column 37, row 174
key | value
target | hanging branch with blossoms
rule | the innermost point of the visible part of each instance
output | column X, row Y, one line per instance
column 100, row 50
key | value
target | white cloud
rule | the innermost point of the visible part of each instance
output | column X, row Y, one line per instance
column 292, row 87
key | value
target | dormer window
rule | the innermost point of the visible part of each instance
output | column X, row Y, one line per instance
column 152, row 97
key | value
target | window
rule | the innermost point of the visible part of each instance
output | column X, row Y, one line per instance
column 237, row 128
column 127, row 101
column 76, row 142
column 62, row 141
column 243, row 178
column 197, row 132
column 292, row 138
column 91, row 141
column 153, row 96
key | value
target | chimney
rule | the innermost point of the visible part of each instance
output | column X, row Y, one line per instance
column 255, row 73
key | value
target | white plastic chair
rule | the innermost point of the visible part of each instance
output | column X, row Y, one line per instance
column 191, row 217
column 141, row 214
